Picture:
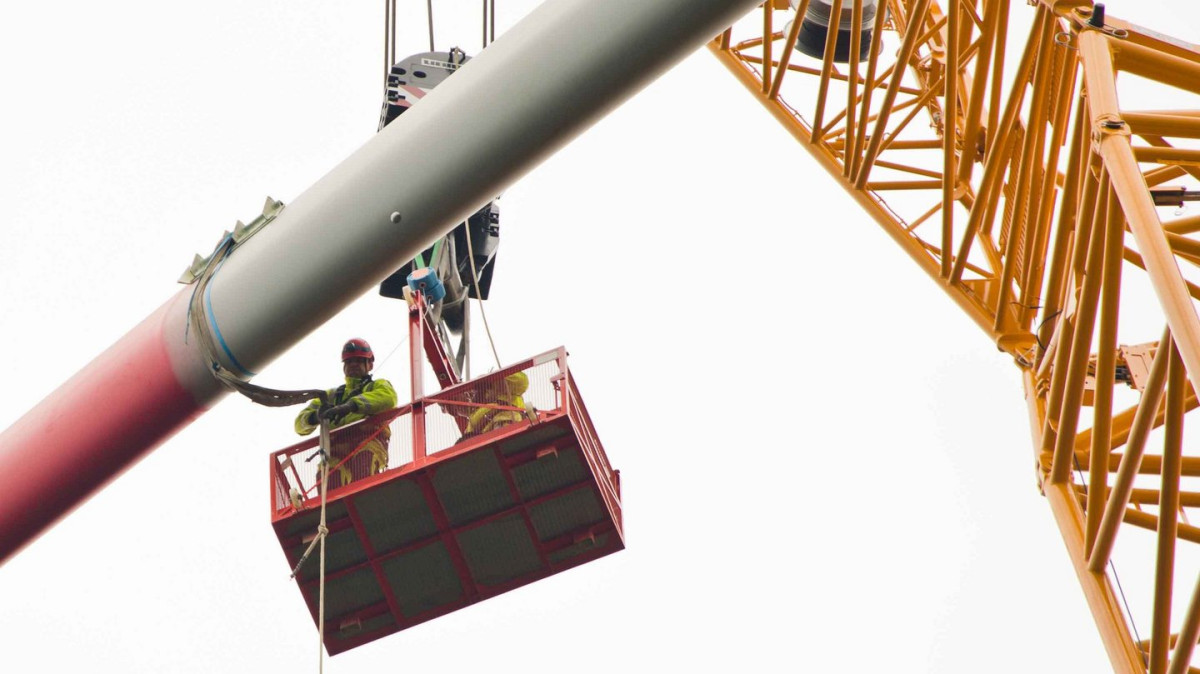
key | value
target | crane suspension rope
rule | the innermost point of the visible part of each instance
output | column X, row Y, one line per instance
column 479, row 297
column 389, row 40
column 429, row 5
column 389, row 30
column 489, row 21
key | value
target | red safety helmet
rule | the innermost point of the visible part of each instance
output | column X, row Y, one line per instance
column 357, row 348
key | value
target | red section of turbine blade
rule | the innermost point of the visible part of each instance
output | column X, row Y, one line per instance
column 87, row 432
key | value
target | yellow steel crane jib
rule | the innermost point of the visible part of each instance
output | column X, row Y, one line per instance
column 1035, row 208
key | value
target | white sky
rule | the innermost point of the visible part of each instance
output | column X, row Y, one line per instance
column 826, row 466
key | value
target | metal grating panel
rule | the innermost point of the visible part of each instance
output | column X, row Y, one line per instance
column 572, row 511
column 500, row 551
column 544, row 475
column 471, row 486
column 394, row 514
column 349, row 593
column 423, row 579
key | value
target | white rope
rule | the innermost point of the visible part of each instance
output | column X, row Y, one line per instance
column 466, row 340
column 322, row 532
column 479, row 297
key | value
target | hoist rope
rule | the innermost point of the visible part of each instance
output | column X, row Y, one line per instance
column 392, row 51
column 489, row 19
column 479, row 298
column 464, row 347
column 388, row 23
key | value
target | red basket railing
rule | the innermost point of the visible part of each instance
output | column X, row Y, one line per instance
column 438, row 423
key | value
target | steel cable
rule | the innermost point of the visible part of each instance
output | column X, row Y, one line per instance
column 429, row 5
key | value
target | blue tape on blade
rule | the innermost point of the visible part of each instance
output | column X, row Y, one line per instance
column 212, row 321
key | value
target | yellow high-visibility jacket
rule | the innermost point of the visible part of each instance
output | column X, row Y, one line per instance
column 375, row 396
column 370, row 396
column 484, row 419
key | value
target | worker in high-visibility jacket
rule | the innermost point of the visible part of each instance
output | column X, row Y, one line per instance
column 503, row 405
column 360, row 397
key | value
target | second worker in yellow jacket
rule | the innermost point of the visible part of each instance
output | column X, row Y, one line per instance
column 506, row 393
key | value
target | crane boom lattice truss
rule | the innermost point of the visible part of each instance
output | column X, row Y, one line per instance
column 1034, row 205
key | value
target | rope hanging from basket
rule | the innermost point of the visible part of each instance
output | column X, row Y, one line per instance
column 322, row 532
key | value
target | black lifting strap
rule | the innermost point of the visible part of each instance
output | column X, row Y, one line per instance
column 275, row 398
column 268, row 396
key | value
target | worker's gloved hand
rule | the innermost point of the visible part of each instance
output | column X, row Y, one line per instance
column 338, row 411
column 312, row 418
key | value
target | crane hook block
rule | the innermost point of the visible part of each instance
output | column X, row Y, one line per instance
column 817, row 20
column 426, row 281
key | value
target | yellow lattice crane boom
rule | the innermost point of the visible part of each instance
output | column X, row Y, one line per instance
column 1009, row 169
